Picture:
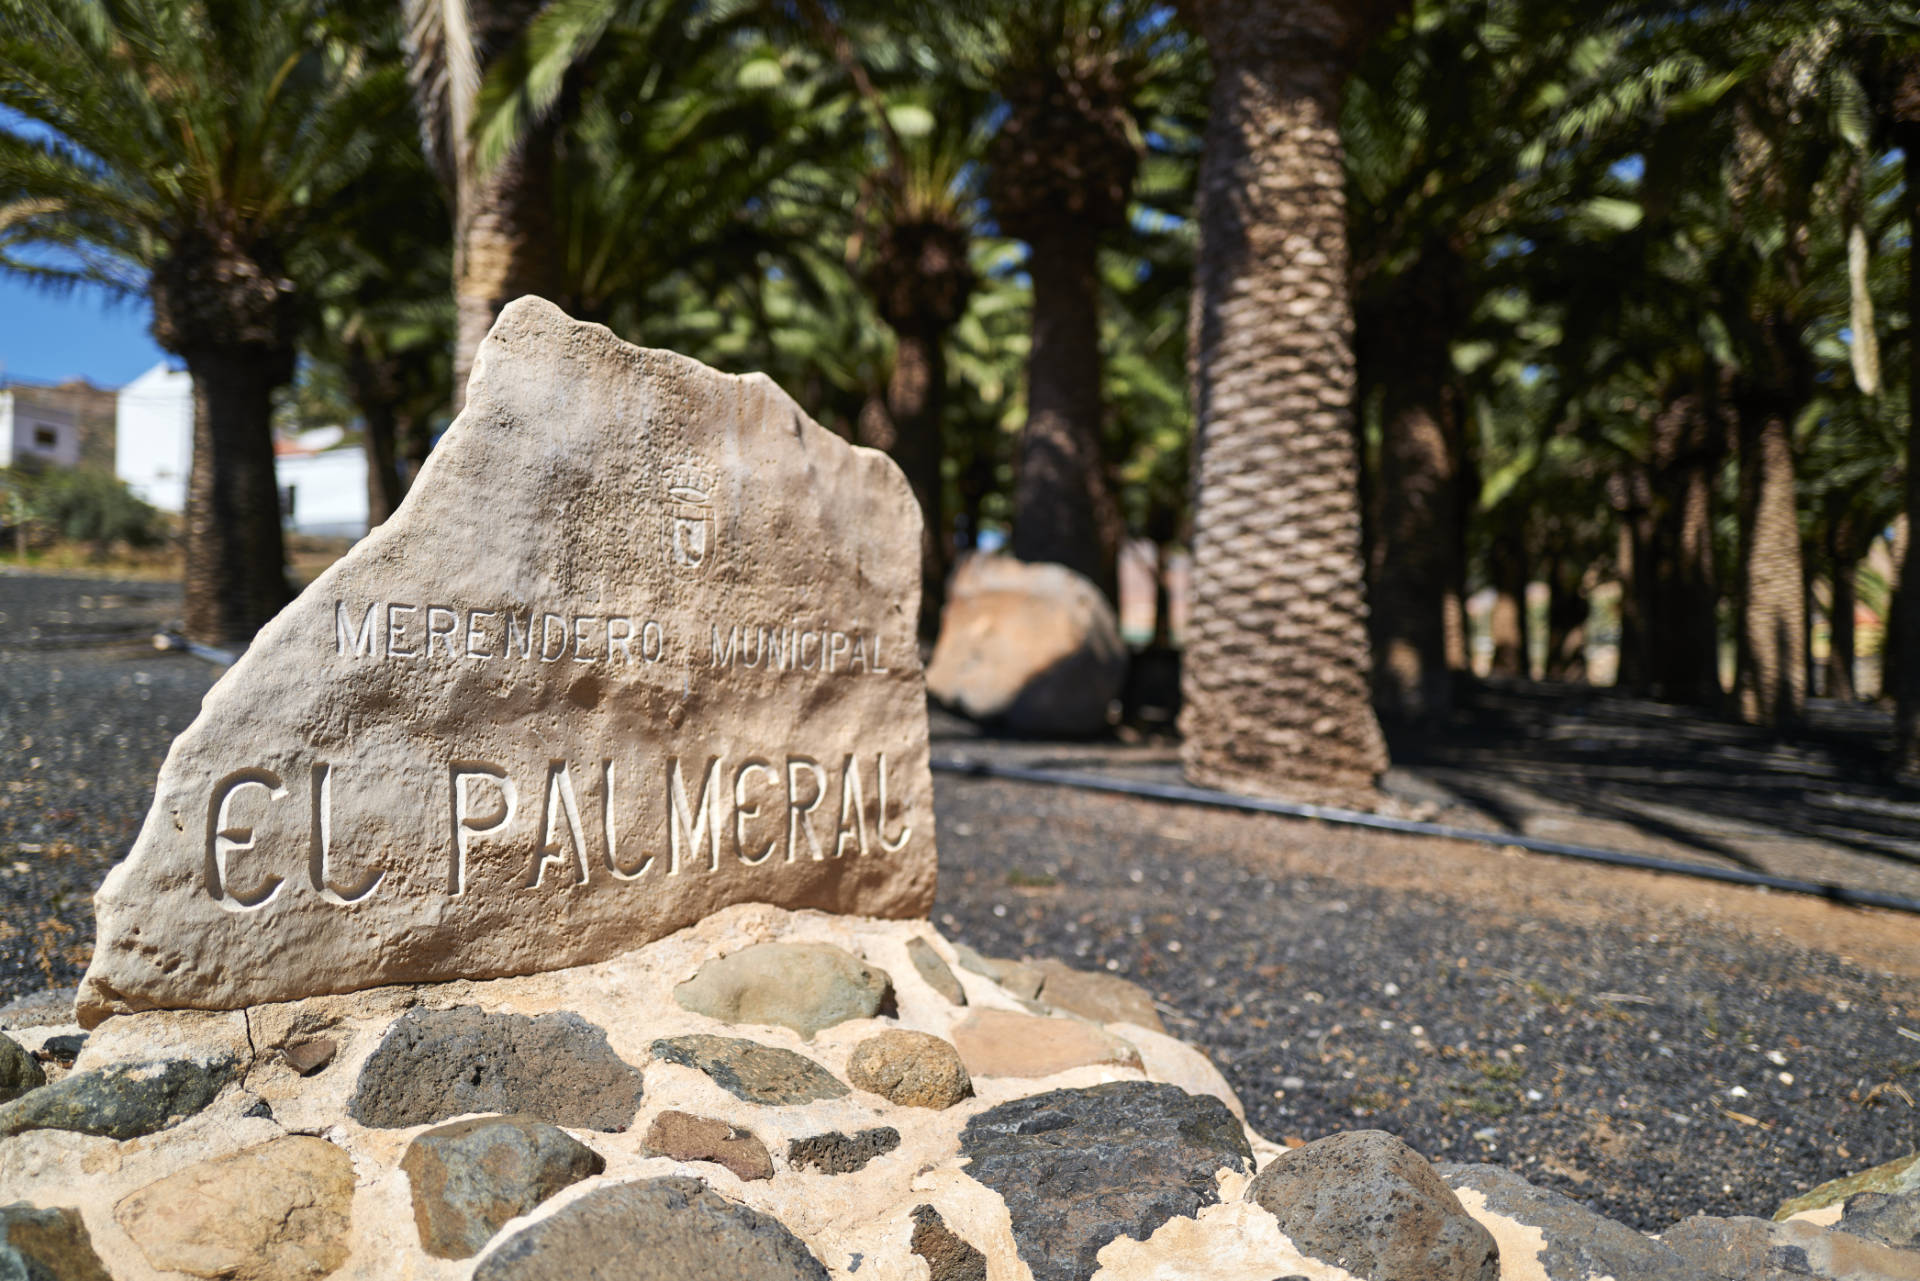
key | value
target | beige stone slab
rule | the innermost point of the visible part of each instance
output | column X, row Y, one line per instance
column 638, row 645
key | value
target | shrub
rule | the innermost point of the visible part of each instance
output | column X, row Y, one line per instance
column 91, row 507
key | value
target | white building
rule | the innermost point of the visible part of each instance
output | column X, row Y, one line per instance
column 153, row 436
column 323, row 485
column 35, row 434
column 323, row 489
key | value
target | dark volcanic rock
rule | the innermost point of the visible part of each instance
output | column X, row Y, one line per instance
column 837, row 1153
column 1369, row 1203
column 935, row 971
column 470, row 1177
column 751, row 1071
column 47, row 1245
column 681, row 1136
column 948, row 1257
column 1890, row 1218
column 672, row 1229
column 433, row 1064
column 18, row 1071
column 63, row 1049
column 1078, row 1168
column 123, row 1101
column 1580, row 1243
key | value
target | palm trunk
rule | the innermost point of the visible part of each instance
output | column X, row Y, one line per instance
column 1905, row 623
column 1064, row 509
column 1508, row 623
column 504, row 235
column 1685, row 666
column 1841, row 647
column 1636, row 637
column 235, row 553
column 913, row 409
column 1276, row 676
column 1416, row 539
column 1566, row 622
column 374, row 394
column 1772, row 675
column 1414, row 554
column 384, row 487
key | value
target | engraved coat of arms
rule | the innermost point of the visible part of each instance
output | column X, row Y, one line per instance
column 690, row 523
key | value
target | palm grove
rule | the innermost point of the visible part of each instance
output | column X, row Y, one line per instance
column 1361, row 302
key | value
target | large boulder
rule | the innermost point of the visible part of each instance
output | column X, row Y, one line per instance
column 1034, row 646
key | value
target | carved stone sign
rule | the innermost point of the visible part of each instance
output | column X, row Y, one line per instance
column 638, row 645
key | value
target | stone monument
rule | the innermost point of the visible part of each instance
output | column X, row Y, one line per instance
column 638, row 645
column 544, row 896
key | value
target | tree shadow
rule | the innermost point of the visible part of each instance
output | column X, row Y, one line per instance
column 1679, row 775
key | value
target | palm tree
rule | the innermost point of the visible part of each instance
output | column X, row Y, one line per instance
column 1077, row 79
column 189, row 150
column 503, row 226
column 911, row 251
column 1277, row 668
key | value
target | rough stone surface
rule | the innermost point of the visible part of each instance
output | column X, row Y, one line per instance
column 18, row 1071
column 470, row 1177
column 1104, row 998
column 681, row 1136
column 1760, row 1250
column 934, row 971
column 123, row 1101
column 1078, row 1168
column 310, row 1055
column 276, row 1212
column 1033, row 645
column 47, row 1245
column 1369, row 1203
column 1579, row 1243
column 837, row 1153
column 671, row 1229
column 513, row 746
column 1002, row 1043
column 751, row 1071
column 1890, row 1219
column 434, row 1064
column 802, row 986
column 913, row 1069
column 948, row 1257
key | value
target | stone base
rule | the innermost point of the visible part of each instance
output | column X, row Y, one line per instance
column 591, row 1122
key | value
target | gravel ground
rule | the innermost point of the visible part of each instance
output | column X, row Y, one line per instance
column 1652, row 1045
column 87, row 708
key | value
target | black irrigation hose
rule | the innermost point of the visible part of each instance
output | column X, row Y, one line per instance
column 1181, row 794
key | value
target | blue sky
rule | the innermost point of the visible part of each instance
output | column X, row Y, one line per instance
column 49, row 337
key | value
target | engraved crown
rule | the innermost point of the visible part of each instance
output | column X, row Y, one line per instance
column 689, row 482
